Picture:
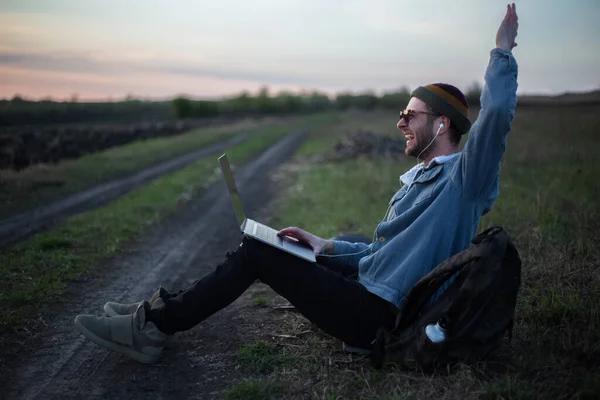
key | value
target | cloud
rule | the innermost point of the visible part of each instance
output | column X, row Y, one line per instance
column 42, row 84
column 82, row 64
column 346, row 72
column 69, row 72
column 378, row 44
column 46, row 62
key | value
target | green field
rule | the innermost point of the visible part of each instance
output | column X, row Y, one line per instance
column 36, row 272
column 39, row 184
column 548, row 203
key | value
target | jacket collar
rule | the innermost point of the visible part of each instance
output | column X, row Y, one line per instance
column 408, row 177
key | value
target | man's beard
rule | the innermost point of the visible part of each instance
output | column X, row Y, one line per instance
column 423, row 138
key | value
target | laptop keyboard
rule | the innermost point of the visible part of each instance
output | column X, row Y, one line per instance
column 267, row 234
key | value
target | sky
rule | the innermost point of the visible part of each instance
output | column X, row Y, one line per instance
column 208, row 49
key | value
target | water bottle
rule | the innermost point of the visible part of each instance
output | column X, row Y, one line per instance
column 436, row 332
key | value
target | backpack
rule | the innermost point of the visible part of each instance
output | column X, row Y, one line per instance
column 476, row 309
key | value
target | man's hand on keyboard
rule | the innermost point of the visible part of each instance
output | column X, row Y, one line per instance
column 317, row 244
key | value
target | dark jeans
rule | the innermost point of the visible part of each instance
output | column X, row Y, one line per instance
column 330, row 297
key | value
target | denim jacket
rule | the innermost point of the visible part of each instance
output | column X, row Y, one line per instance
column 437, row 213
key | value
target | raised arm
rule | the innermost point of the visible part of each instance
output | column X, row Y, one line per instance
column 487, row 138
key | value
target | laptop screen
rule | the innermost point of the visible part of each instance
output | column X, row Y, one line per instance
column 233, row 192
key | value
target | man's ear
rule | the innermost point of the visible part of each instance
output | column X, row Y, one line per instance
column 444, row 124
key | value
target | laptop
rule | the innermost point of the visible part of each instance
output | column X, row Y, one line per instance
column 256, row 230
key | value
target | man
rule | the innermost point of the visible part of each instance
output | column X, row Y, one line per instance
column 432, row 217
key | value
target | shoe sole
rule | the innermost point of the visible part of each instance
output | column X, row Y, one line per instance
column 129, row 352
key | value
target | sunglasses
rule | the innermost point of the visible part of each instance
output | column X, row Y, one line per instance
column 407, row 115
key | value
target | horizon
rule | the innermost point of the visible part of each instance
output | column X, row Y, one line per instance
column 117, row 99
column 155, row 51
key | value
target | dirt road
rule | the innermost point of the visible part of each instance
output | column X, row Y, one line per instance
column 23, row 225
column 200, row 363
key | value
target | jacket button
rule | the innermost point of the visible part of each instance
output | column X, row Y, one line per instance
column 381, row 239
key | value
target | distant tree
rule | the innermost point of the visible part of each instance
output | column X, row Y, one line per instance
column 244, row 102
column 264, row 103
column 182, row 107
column 287, row 102
column 263, row 91
column 395, row 100
column 364, row 101
column 237, row 105
column 205, row 109
column 318, row 101
column 343, row 101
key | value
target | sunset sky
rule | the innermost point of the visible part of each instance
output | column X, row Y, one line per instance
column 206, row 49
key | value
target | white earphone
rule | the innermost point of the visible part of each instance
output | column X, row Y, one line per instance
column 430, row 143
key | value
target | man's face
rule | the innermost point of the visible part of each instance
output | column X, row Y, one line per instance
column 419, row 130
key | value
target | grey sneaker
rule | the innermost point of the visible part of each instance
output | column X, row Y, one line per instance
column 130, row 335
column 356, row 350
column 113, row 309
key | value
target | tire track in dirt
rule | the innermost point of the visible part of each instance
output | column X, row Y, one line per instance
column 25, row 224
column 197, row 363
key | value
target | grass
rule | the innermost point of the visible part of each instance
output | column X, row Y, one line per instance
column 39, row 183
column 548, row 203
column 505, row 388
column 319, row 189
column 262, row 357
column 254, row 390
column 259, row 301
column 38, row 271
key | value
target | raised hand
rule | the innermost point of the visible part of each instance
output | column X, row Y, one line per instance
column 507, row 32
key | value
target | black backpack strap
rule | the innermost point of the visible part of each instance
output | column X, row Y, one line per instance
column 487, row 234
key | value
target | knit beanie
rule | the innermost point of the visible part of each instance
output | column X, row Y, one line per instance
column 446, row 100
